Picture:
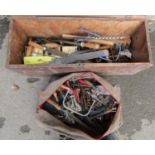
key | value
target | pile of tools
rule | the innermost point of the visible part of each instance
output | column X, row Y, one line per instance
column 85, row 47
column 84, row 104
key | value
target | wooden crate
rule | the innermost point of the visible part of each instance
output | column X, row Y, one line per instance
column 21, row 27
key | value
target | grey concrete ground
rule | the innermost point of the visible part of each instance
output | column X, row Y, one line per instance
column 19, row 98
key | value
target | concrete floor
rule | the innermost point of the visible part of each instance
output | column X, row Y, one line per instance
column 18, row 107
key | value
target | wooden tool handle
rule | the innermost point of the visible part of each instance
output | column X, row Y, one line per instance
column 56, row 105
column 90, row 45
column 52, row 45
column 65, row 87
column 105, row 47
column 125, row 40
column 69, row 36
column 29, row 51
column 33, row 44
column 56, row 96
column 99, row 41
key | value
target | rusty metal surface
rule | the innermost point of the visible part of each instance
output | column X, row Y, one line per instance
column 55, row 25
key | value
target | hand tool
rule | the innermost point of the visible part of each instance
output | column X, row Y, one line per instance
column 29, row 51
column 87, row 44
column 88, row 39
column 93, row 34
column 56, row 96
column 51, row 109
column 78, row 57
column 54, row 104
column 33, row 44
column 69, row 36
column 100, row 40
column 74, row 104
column 51, row 45
column 97, row 36
column 90, row 45
column 105, row 47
